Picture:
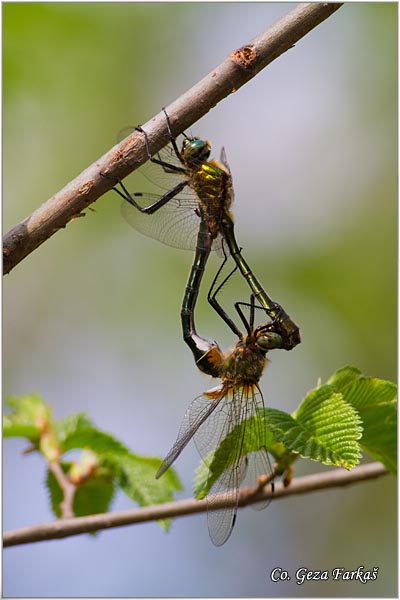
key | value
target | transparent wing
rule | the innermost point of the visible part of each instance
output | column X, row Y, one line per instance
column 199, row 411
column 162, row 176
column 175, row 224
column 156, row 174
column 229, row 434
column 221, row 521
column 258, row 462
column 224, row 160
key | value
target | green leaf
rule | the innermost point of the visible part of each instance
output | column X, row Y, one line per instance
column 245, row 436
column 137, row 480
column 135, row 474
column 114, row 462
column 343, row 377
column 13, row 429
column 376, row 402
column 325, row 428
column 69, row 425
column 200, row 487
column 29, row 416
column 101, row 443
column 93, row 496
column 55, row 492
column 27, row 405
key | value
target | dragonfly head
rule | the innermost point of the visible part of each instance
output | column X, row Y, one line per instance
column 266, row 339
column 195, row 150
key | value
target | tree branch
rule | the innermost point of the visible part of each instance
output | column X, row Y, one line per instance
column 236, row 70
column 302, row 485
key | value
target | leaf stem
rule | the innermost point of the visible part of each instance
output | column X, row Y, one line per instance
column 67, row 487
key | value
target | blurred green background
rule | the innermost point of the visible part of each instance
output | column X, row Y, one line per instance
column 91, row 318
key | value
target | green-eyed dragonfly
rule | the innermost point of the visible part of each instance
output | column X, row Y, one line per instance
column 199, row 190
column 227, row 423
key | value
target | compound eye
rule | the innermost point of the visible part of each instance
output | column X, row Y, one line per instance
column 267, row 340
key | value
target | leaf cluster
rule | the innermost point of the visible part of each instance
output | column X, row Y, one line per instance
column 333, row 425
column 103, row 466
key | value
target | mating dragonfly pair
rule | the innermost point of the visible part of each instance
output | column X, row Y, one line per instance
column 195, row 213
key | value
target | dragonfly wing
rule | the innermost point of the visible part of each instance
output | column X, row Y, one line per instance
column 163, row 177
column 157, row 174
column 221, row 246
column 215, row 429
column 224, row 160
column 258, row 462
column 175, row 224
column 232, row 441
column 226, row 486
column 222, row 520
column 198, row 412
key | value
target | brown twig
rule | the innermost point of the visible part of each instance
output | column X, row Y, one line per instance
column 301, row 485
column 236, row 70
column 67, row 487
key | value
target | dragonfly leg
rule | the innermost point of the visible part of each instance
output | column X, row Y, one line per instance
column 248, row 323
column 171, row 137
column 212, row 298
column 168, row 167
column 147, row 210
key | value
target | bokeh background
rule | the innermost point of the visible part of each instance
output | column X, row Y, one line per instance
column 91, row 318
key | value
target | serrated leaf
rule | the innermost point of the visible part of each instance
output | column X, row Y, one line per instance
column 27, row 405
column 343, row 377
column 13, row 429
column 200, row 487
column 101, row 443
column 113, row 460
column 369, row 392
column 137, row 480
column 55, row 492
column 135, row 474
column 69, row 425
column 376, row 402
column 94, row 496
column 245, row 436
column 334, row 423
column 29, row 416
column 325, row 428
column 91, row 497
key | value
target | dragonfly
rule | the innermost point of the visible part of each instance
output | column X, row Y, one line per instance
column 196, row 209
column 226, row 421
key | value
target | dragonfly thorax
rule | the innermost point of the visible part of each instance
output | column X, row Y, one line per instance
column 245, row 364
